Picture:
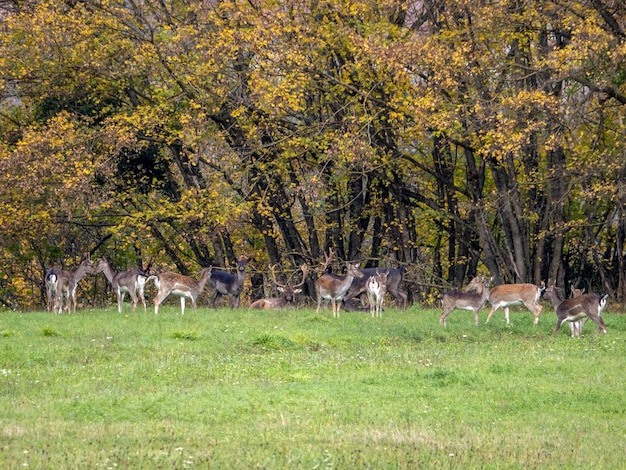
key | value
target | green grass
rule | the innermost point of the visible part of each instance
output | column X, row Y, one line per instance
column 292, row 389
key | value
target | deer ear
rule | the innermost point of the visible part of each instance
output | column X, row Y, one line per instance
column 280, row 289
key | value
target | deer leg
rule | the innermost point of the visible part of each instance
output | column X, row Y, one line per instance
column 506, row 315
column 182, row 304
column 597, row 319
column 442, row 318
column 159, row 300
column 476, row 316
column 493, row 309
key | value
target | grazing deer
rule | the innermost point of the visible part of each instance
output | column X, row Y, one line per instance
column 515, row 294
column 376, row 290
column 132, row 281
column 182, row 286
column 467, row 300
column 288, row 292
column 358, row 288
column 577, row 308
column 61, row 283
column 231, row 285
column 331, row 287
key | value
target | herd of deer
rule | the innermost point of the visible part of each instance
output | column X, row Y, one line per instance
column 367, row 284
column 574, row 310
column 375, row 282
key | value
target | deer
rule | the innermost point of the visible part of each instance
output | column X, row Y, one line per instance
column 579, row 324
column 183, row 286
column 224, row 283
column 577, row 308
column 132, row 281
column 358, row 288
column 376, row 290
column 61, row 283
column 52, row 284
column 288, row 292
column 513, row 294
column 467, row 300
column 331, row 287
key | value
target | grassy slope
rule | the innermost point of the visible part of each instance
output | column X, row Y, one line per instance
column 295, row 390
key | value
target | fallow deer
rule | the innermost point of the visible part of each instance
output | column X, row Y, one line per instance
column 332, row 287
column 61, row 283
column 358, row 288
column 577, row 308
column 224, row 283
column 467, row 300
column 183, row 286
column 132, row 281
column 578, row 325
column 376, row 290
column 288, row 292
column 52, row 284
column 514, row 294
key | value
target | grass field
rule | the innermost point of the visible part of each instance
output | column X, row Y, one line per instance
column 291, row 389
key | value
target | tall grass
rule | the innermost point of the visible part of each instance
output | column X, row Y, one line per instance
column 291, row 389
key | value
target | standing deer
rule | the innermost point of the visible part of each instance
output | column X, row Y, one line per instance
column 573, row 326
column 376, row 290
column 514, row 294
column 52, row 284
column 467, row 300
column 61, row 283
column 288, row 292
column 231, row 285
column 577, row 308
column 132, row 281
column 358, row 288
column 331, row 287
column 183, row 286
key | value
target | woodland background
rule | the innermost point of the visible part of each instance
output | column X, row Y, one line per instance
column 451, row 137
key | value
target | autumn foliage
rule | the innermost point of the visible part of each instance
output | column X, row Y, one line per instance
column 452, row 137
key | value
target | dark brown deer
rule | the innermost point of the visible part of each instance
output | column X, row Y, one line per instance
column 577, row 308
column 332, row 287
column 515, row 294
column 224, row 283
column 467, row 300
column 288, row 292
column 358, row 288
column 183, row 286
column 132, row 281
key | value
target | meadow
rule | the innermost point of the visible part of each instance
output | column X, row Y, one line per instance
column 292, row 389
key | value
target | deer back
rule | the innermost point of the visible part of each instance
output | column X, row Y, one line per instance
column 515, row 293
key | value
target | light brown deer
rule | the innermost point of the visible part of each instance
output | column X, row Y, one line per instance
column 467, row 300
column 288, row 292
column 376, row 290
column 515, row 294
column 183, row 286
column 577, row 308
column 332, row 287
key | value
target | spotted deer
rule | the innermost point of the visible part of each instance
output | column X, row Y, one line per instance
column 183, row 286
column 506, row 295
